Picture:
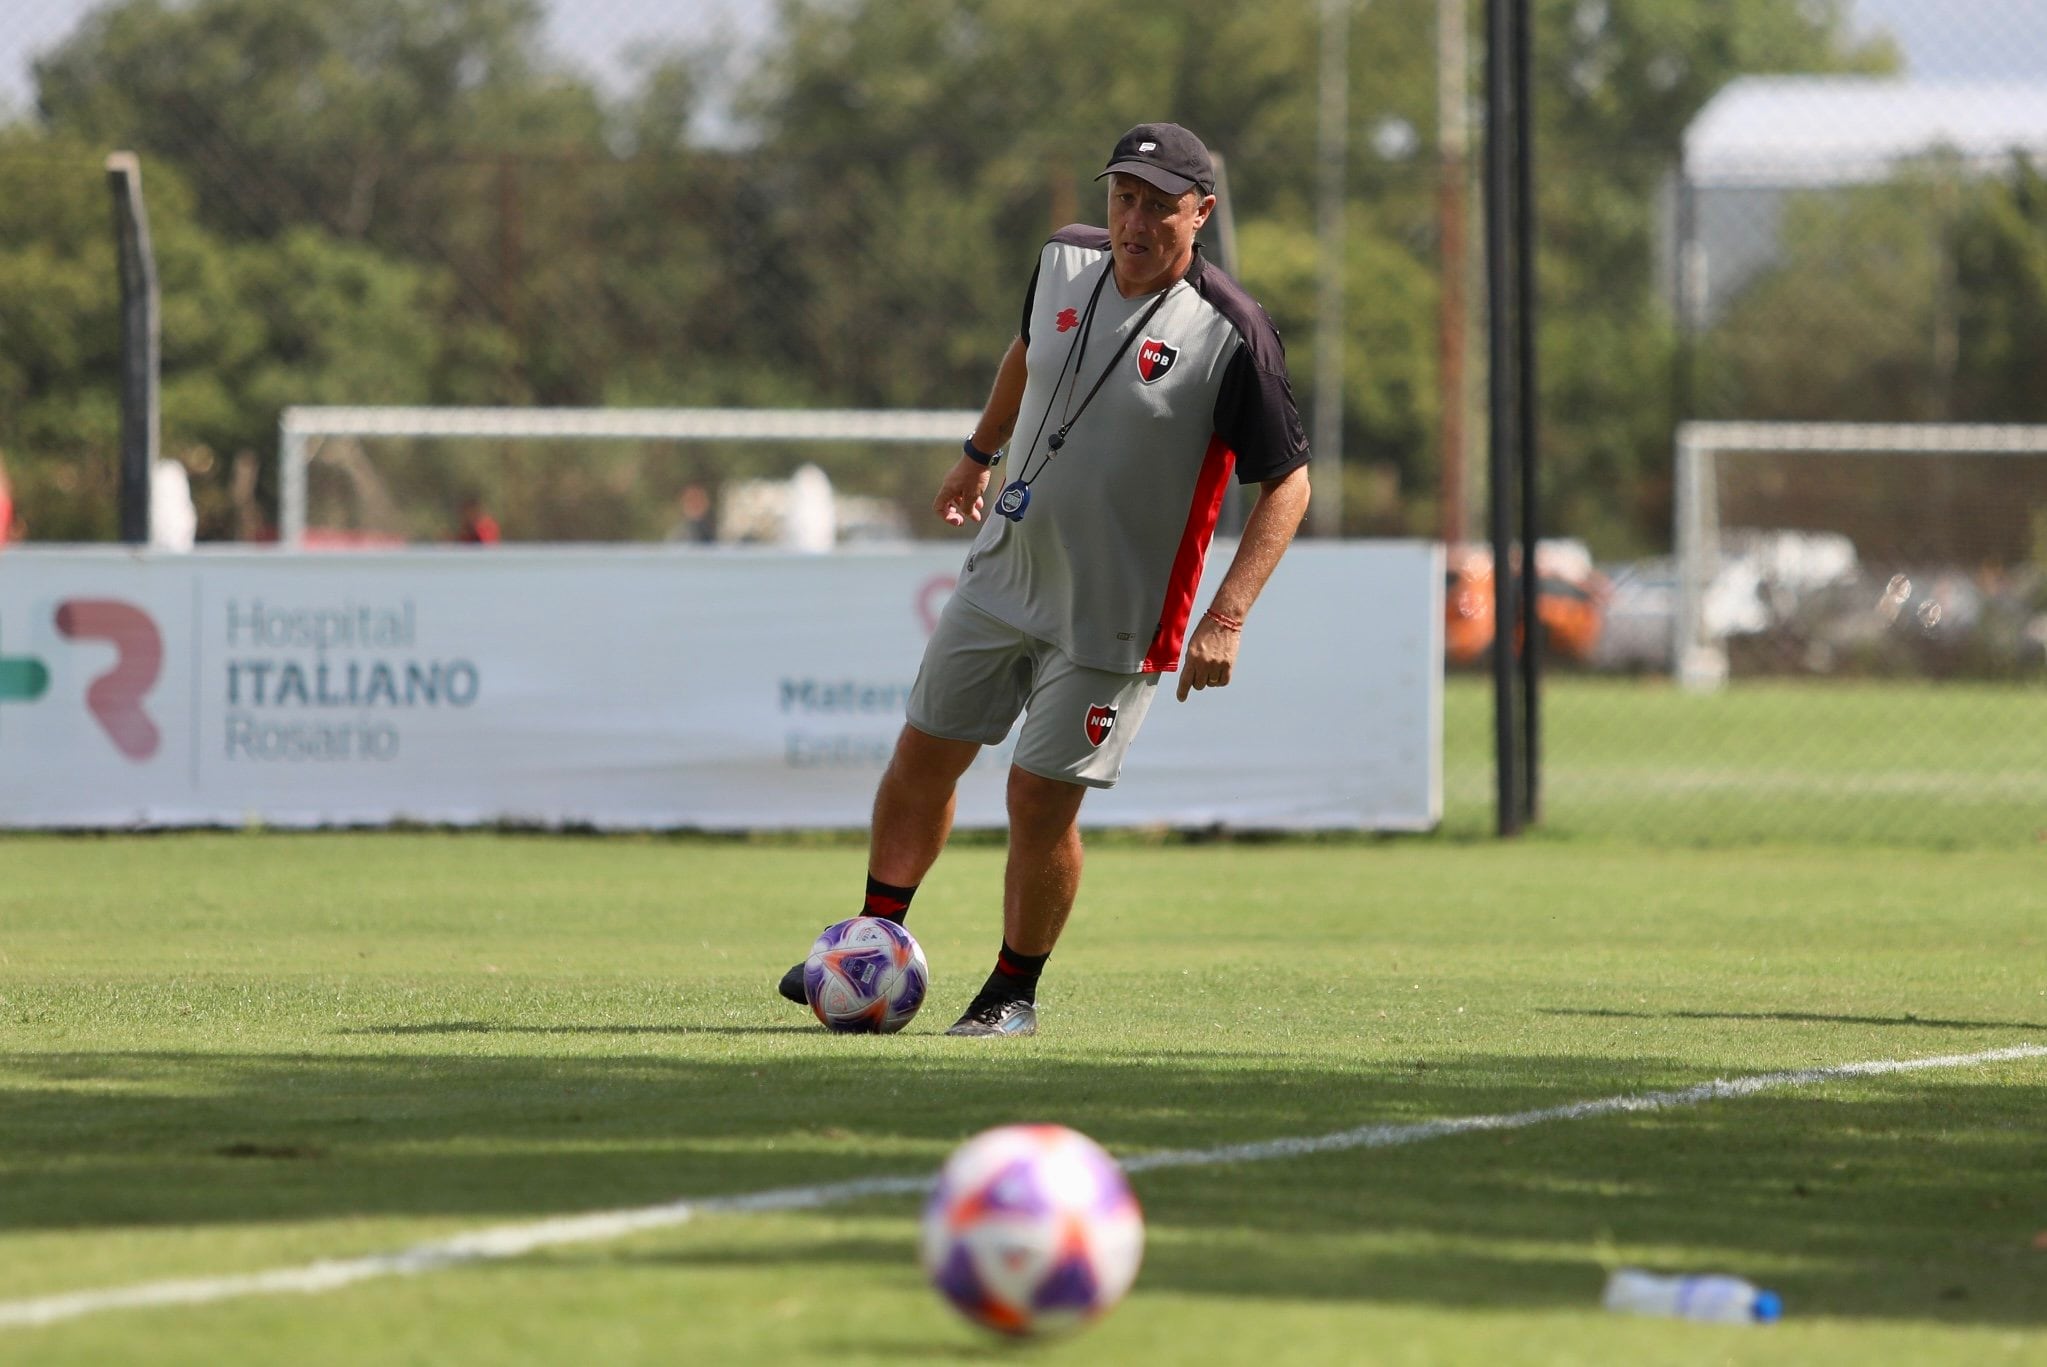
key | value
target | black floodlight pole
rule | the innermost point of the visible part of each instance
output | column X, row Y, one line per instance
column 1500, row 377
column 1527, row 410
column 141, row 345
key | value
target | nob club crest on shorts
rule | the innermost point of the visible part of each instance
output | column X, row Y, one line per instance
column 1101, row 720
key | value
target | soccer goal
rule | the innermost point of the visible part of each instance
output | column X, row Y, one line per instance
column 392, row 474
column 1837, row 547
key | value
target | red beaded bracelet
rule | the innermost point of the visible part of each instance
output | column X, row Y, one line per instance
column 1226, row 623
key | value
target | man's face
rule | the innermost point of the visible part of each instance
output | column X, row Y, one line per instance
column 1151, row 232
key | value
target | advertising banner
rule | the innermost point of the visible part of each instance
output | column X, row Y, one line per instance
column 647, row 688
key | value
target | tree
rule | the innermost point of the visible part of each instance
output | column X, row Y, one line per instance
column 938, row 143
column 60, row 413
column 341, row 115
column 1617, row 82
column 367, row 165
column 1841, row 327
column 2001, row 285
column 247, row 328
column 1920, row 299
column 406, row 125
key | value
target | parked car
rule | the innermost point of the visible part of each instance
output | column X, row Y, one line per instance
column 1761, row 580
column 1640, row 630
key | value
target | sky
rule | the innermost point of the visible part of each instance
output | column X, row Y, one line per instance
column 1988, row 39
column 594, row 33
column 1978, row 39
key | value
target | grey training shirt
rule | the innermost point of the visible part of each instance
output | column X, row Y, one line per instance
column 1107, row 558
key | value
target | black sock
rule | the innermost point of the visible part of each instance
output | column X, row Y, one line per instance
column 887, row 901
column 1016, row 975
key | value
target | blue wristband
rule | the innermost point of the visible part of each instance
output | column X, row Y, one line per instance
column 976, row 454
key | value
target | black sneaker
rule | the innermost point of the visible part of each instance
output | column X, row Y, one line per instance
column 791, row 986
column 998, row 1016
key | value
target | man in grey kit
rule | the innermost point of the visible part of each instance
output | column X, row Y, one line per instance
column 1141, row 376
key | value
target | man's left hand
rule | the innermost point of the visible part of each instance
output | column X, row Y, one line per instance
column 1211, row 657
column 959, row 496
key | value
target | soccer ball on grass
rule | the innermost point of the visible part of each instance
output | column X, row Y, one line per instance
column 865, row 976
column 1032, row 1229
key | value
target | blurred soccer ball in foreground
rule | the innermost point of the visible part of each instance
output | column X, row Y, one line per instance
column 865, row 976
column 1032, row 1229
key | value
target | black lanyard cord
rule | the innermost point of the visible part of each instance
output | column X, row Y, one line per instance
column 1077, row 353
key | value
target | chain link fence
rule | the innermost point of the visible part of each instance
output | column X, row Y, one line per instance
column 1827, row 212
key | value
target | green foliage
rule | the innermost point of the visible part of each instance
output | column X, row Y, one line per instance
column 1920, row 299
column 1617, row 82
column 2001, row 280
column 338, row 115
column 376, row 200
column 248, row 327
column 392, row 123
column 59, row 337
column 856, row 88
column 938, row 143
column 1841, row 327
column 1390, row 352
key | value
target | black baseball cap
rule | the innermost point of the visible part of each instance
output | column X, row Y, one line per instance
column 1165, row 155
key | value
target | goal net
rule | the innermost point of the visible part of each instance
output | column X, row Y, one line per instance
column 391, row 476
column 1859, row 549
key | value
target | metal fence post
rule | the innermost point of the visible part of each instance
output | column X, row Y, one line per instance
column 141, row 345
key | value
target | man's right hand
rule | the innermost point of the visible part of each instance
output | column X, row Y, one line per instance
column 959, row 497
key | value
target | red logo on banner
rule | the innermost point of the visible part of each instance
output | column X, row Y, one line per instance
column 115, row 697
column 1101, row 720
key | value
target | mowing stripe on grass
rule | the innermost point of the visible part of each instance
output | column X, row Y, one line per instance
column 512, row 1241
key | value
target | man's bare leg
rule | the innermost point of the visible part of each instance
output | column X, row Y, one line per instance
column 1043, row 874
column 913, row 807
column 1038, row 887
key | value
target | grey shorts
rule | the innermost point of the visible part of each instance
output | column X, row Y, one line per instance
column 980, row 672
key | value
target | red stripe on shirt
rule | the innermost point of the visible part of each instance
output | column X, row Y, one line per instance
column 1164, row 652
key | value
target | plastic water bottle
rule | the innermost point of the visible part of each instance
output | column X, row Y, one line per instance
column 1714, row 1299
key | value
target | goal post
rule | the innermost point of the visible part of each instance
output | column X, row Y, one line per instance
column 1704, row 451
column 302, row 429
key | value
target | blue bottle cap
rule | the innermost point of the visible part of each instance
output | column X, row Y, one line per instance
column 1769, row 1307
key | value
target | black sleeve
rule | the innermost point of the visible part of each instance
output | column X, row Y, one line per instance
column 1255, row 414
column 1023, row 329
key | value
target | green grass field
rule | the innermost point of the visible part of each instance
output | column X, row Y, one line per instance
column 227, row 1054
column 1899, row 763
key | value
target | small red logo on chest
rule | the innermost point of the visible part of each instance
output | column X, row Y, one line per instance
column 1067, row 320
column 1101, row 720
column 1154, row 358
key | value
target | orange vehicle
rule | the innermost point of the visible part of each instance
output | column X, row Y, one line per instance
column 1570, row 603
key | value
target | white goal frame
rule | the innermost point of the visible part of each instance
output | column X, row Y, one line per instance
column 301, row 429
column 1700, row 660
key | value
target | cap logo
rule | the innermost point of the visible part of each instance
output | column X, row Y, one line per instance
column 1147, row 147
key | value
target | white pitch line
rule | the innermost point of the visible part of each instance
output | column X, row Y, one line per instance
column 1387, row 1136
column 512, row 1241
